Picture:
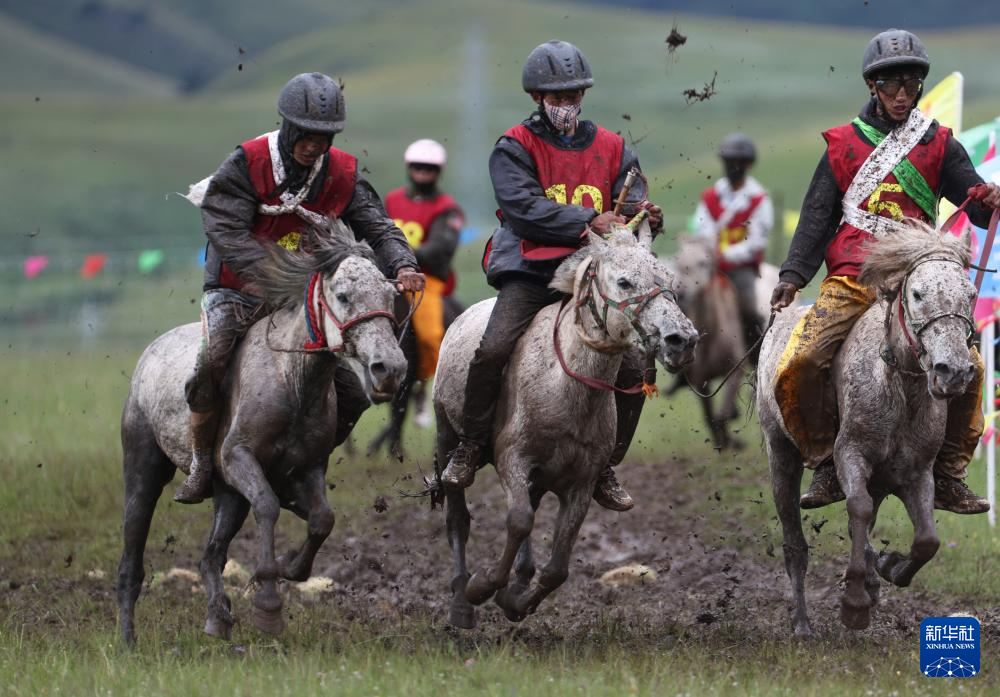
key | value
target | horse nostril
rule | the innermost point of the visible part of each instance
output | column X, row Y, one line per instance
column 943, row 370
column 675, row 341
column 378, row 370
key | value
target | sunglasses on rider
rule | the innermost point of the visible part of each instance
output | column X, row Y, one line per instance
column 890, row 86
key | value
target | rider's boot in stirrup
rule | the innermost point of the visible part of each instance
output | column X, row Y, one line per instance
column 953, row 495
column 463, row 462
column 824, row 488
column 198, row 484
column 610, row 494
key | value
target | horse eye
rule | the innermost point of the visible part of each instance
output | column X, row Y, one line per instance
column 917, row 296
column 624, row 284
column 341, row 298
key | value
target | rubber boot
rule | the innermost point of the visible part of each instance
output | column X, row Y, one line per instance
column 198, row 483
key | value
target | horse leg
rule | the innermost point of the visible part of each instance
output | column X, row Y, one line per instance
column 872, row 582
column 854, row 472
column 146, row 471
column 729, row 411
column 715, row 425
column 919, row 501
column 244, row 473
column 573, row 506
column 786, row 480
column 524, row 570
column 230, row 511
column 461, row 614
column 520, row 521
column 310, row 493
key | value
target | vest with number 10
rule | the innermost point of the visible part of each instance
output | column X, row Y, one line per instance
column 581, row 177
column 847, row 149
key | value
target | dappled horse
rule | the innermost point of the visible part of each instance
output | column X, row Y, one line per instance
column 902, row 362
column 279, row 420
column 553, row 432
column 709, row 300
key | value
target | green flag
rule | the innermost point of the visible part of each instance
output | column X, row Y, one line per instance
column 149, row 260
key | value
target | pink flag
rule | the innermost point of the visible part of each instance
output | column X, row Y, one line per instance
column 35, row 265
column 991, row 151
column 92, row 265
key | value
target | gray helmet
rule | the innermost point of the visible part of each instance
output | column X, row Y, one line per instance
column 555, row 66
column 894, row 48
column 314, row 103
column 737, row 146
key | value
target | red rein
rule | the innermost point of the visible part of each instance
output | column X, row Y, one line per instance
column 978, row 193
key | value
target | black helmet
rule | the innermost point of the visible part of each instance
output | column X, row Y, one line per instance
column 894, row 48
column 314, row 103
column 555, row 66
column 737, row 146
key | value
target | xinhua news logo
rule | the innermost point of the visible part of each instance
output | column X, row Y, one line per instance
column 949, row 647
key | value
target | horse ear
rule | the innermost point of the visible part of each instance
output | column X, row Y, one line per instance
column 646, row 235
column 966, row 237
column 568, row 274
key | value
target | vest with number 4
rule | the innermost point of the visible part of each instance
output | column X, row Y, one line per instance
column 910, row 191
column 335, row 194
column 415, row 217
column 580, row 177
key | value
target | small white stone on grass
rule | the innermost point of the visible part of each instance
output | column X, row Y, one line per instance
column 629, row 575
column 96, row 574
column 235, row 573
column 314, row 587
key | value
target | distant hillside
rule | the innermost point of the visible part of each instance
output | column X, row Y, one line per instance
column 908, row 14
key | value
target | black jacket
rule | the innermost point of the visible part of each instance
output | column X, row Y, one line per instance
column 528, row 214
column 822, row 211
column 230, row 207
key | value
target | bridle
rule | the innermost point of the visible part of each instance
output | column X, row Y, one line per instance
column 631, row 307
column 919, row 325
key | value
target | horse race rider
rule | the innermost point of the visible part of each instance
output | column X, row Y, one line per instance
column 554, row 176
column 432, row 222
column 259, row 196
column 848, row 202
column 735, row 214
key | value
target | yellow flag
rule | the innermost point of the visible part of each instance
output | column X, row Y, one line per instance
column 944, row 103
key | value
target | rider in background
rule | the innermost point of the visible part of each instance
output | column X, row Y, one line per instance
column 432, row 223
column 297, row 163
column 553, row 176
column 894, row 67
column 735, row 215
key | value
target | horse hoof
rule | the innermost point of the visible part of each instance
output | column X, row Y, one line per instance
column 267, row 621
column 802, row 630
column 479, row 589
column 218, row 627
column 855, row 617
column 462, row 616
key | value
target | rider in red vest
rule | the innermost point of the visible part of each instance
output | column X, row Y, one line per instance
column 735, row 215
column 840, row 213
column 259, row 196
column 553, row 176
column 432, row 223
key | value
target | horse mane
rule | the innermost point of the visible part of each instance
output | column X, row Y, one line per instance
column 282, row 275
column 891, row 257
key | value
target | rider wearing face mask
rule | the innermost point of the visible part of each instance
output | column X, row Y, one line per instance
column 842, row 210
column 553, row 176
column 432, row 223
column 735, row 215
column 294, row 165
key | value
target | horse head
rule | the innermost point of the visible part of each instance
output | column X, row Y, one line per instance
column 924, row 276
column 624, row 297
column 695, row 265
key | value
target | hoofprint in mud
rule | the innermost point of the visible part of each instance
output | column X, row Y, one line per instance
column 552, row 432
column 278, row 424
column 892, row 420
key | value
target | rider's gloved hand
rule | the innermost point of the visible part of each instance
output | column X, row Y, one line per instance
column 987, row 194
column 602, row 223
column 783, row 295
column 408, row 278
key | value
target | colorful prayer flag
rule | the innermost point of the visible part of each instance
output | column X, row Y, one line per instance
column 35, row 265
column 944, row 102
column 150, row 259
column 93, row 264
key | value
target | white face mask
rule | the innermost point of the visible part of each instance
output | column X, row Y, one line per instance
column 563, row 118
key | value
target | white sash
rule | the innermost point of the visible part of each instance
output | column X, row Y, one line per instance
column 882, row 160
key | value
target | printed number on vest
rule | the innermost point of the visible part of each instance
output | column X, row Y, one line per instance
column 731, row 236
column 557, row 193
column 290, row 241
column 412, row 230
column 877, row 206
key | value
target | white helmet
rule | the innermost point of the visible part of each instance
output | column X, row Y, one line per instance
column 425, row 152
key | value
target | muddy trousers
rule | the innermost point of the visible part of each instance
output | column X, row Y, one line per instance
column 804, row 386
column 226, row 316
column 428, row 326
column 517, row 304
column 744, row 280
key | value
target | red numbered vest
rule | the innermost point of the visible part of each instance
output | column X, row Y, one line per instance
column 736, row 230
column 847, row 150
column 580, row 177
column 415, row 217
column 336, row 192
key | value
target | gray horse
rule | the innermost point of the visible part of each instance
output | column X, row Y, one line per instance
column 553, row 432
column 278, row 424
column 710, row 302
column 906, row 356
